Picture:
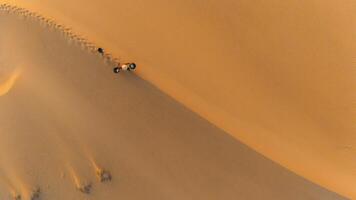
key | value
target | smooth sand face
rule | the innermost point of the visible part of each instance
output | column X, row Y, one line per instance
column 67, row 115
column 277, row 75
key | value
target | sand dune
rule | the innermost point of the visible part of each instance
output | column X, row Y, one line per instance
column 72, row 129
column 277, row 75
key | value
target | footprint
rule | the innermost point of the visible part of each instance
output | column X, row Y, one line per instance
column 16, row 197
column 103, row 175
column 85, row 188
column 35, row 194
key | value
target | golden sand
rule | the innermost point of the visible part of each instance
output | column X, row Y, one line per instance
column 278, row 76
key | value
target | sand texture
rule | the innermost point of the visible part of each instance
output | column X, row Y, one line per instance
column 72, row 129
column 277, row 75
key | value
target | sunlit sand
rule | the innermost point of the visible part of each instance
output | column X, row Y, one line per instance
column 6, row 86
column 232, row 100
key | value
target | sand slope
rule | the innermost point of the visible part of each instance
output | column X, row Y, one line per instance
column 66, row 115
column 277, row 75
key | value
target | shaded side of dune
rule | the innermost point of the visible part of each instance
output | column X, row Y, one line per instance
column 68, row 115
